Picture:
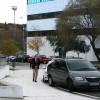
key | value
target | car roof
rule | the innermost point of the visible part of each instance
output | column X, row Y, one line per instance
column 75, row 58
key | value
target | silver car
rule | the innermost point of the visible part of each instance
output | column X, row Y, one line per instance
column 45, row 75
column 74, row 73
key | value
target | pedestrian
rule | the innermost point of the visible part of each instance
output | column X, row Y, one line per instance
column 34, row 64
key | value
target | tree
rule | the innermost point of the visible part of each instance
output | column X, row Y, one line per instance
column 81, row 17
column 6, row 33
column 36, row 43
column 9, row 47
column 63, row 44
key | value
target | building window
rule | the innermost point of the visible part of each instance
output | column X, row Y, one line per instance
column 43, row 16
column 36, row 1
column 41, row 33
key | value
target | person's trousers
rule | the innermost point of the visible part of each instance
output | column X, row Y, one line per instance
column 35, row 73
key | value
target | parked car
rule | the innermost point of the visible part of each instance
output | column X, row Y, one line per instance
column 73, row 73
column 29, row 59
column 51, row 57
column 45, row 75
column 10, row 58
column 42, row 58
column 22, row 58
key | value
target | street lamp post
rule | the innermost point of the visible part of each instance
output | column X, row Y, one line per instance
column 23, row 36
column 14, row 8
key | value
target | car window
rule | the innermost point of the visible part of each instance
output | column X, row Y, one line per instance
column 80, row 65
column 50, row 65
column 62, row 65
column 20, row 56
column 59, row 64
column 54, row 64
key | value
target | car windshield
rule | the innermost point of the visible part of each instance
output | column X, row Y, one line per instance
column 80, row 65
column 43, row 56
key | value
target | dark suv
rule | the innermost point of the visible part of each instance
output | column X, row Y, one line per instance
column 74, row 73
column 22, row 58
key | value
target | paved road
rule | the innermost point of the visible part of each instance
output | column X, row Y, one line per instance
column 42, row 91
column 88, row 93
column 39, row 90
column 21, row 66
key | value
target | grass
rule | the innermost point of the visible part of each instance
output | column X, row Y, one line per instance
column 1, row 84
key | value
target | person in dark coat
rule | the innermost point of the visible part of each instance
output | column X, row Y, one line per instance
column 34, row 64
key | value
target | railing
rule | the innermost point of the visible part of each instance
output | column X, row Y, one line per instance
column 3, row 60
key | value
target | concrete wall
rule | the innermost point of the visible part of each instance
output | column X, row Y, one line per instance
column 8, row 90
column 4, row 71
column 11, row 91
column 4, row 68
column 44, row 24
column 3, row 61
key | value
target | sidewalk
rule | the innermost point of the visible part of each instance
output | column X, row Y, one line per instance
column 38, row 90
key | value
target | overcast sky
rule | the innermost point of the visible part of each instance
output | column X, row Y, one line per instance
column 7, row 14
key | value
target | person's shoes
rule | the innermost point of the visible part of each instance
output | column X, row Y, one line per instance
column 35, row 81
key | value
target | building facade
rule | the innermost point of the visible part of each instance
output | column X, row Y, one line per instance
column 41, row 17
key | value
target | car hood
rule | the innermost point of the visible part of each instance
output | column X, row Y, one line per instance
column 85, row 73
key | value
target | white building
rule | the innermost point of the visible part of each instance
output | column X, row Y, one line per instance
column 41, row 19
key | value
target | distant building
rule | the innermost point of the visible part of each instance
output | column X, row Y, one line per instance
column 41, row 16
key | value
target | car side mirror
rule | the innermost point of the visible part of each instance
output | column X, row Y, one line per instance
column 98, row 67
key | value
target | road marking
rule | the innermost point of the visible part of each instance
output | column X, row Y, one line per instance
column 82, row 94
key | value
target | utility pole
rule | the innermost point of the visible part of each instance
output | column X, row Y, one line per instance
column 23, row 35
column 14, row 8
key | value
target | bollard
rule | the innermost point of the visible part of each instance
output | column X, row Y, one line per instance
column 13, row 64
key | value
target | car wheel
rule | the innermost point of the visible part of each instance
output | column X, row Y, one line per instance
column 98, row 89
column 70, row 85
column 44, row 79
column 50, row 81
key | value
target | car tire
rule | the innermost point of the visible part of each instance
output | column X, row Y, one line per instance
column 98, row 89
column 50, row 81
column 70, row 85
column 44, row 80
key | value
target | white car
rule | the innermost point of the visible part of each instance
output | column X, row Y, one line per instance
column 11, row 58
column 45, row 75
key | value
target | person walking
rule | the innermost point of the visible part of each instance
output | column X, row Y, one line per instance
column 34, row 64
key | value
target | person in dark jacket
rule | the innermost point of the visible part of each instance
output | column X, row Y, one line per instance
column 34, row 64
